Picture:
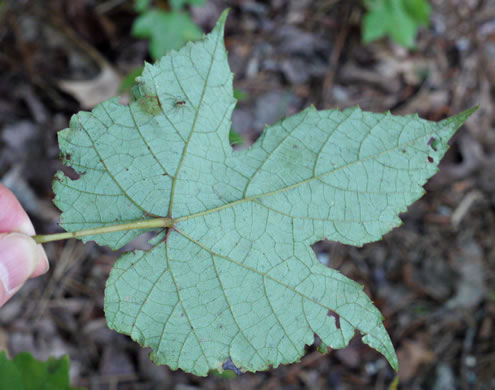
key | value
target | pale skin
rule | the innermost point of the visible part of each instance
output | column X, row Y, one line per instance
column 21, row 257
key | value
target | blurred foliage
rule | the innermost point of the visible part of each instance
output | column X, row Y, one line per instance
column 400, row 19
column 165, row 29
column 235, row 138
column 129, row 80
column 24, row 372
column 240, row 95
column 177, row 4
column 227, row 374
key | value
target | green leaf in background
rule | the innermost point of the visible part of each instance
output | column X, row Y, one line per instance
column 400, row 19
column 240, row 95
column 24, row 372
column 235, row 281
column 130, row 79
column 178, row 4
column 142, row 5
column 420, row 10
column 235, row 138
column 165, row 30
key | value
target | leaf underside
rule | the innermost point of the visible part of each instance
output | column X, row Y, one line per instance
column 235, row 280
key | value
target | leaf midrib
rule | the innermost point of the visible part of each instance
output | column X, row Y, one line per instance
column 193, row 128
column 295, row 185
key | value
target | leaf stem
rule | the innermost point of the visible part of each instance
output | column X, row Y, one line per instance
column 147, row 224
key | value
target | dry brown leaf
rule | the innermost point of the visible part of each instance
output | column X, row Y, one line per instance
column 89, row 93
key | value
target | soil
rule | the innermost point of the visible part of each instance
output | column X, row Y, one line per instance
column 433, row 278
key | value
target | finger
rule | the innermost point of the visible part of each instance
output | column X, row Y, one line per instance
column 20, row 257
column 13, row 218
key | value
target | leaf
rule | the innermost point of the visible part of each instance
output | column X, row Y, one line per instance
column 235, row 138
column 142, row 5
column 234, row 282
column 89, row 93
column 166, row 30
column 129, row 80
column 24, row 372
column 398, row 18
column 240, row 95
column 420, row 10
column 178, row 4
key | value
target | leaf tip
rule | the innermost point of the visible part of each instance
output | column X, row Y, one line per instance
column 223, row 16
column 222, row 20
column 459, row 119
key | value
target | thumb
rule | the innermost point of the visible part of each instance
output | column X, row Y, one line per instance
column 20, row 258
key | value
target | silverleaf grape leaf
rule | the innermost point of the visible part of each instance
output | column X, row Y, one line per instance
column 234, row 282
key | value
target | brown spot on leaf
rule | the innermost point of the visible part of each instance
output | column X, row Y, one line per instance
column 150, row 104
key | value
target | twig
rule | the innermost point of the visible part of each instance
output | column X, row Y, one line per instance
column 334, row 58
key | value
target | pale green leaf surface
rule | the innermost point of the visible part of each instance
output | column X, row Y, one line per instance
column 236, row 276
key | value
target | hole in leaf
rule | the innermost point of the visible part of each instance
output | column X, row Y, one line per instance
column 71, row 173
column 140, row 243
column 433, row 143
column 430, row 159
column 336, row 316
column 228, row 365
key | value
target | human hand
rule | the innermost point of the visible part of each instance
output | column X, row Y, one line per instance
column 21, row 258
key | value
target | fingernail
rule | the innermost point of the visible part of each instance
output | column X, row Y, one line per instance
column 18, row 257
column 43, row 264
column 43, row 259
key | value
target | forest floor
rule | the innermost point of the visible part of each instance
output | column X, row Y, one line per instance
column 433, row 278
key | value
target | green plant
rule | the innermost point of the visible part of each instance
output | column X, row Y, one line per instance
column 166, row 30
column 400, row 19
column 231, row 279
column 24, row 372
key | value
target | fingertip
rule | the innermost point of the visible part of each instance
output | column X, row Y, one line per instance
column 12, row 215
column 19, row 258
